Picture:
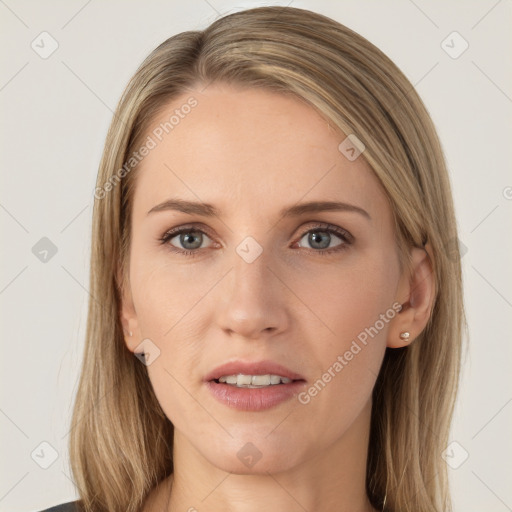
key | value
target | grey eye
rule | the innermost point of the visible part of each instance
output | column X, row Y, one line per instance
column 320, row 239
column 189, row 240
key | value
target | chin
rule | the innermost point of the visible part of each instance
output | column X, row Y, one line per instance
column 272, row 464
column 255, row 455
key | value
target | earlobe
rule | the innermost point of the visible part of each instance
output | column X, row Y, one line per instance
column 416, row 293
column 404, row 336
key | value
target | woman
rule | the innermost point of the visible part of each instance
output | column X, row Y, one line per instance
column 277, row 301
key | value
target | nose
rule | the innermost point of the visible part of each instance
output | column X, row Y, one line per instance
column 252, row 300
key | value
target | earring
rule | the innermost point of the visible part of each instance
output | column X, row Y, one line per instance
column 130, row 334
column 404, row 335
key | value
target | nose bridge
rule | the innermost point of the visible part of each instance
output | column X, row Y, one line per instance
column 251, row 302
column 250, row 272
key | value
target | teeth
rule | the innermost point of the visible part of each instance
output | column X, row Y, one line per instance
column 253, row 381
column 275, row 379
column 243, row 380
column 261, row 380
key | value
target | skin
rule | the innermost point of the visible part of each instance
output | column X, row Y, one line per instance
column 251, row 153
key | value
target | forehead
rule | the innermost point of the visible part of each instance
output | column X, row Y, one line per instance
column 249, row 148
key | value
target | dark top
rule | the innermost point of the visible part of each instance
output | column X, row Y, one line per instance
column 63, row 507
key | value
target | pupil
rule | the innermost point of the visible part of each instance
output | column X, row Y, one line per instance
column 184, row 240
column 315, row 238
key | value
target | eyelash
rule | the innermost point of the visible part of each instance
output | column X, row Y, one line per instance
column 346, row 237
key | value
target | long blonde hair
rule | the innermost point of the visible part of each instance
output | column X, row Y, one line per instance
column 121, row 441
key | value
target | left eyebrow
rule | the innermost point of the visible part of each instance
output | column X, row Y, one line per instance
column 208, row 210
column 322, row 206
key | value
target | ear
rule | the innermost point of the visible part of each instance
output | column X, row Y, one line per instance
column 129, row 321
column 416, row 293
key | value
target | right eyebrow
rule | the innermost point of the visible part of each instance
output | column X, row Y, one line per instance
column 191, row 207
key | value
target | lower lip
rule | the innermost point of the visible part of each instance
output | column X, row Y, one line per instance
column 254, row 399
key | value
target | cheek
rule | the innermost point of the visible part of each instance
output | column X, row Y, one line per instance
column 164, row 302
column 354, row 303
column 169, row 299
column 165, row 291
column 349, row 297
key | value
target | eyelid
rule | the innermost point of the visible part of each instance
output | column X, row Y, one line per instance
column 337, row 230
column 189, row 227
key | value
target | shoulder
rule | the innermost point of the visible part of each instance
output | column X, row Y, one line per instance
column 70, row 506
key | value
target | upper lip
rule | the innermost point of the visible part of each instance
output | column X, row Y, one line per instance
column 252, row 368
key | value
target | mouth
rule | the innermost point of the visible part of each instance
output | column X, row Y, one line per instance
column 250, row 374
column 253, row 386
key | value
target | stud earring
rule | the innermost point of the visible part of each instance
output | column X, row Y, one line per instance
column 130, row 334
column 404, row 335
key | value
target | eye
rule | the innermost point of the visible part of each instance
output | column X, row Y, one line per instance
column 322, row 238
column 185, row 240
column 326, row 239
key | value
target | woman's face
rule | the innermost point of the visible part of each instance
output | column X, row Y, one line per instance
column 312, row 290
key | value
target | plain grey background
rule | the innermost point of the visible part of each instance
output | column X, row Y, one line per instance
column 56, row 109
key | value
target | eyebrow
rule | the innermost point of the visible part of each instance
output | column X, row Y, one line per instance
column 208, row 210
